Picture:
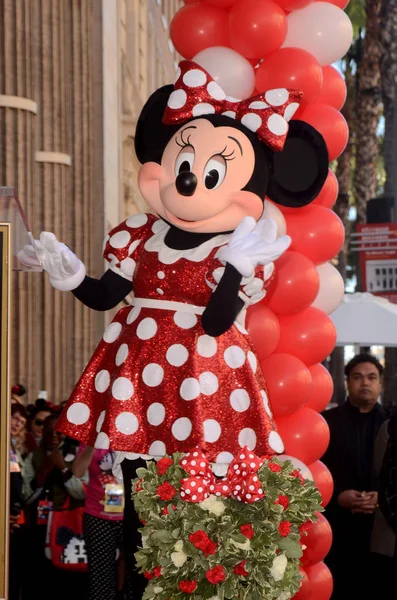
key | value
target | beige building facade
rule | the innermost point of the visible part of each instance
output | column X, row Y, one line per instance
column 74, row 75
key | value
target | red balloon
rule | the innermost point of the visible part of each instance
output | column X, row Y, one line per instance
column 291, row 68
column 288, row 382
column 316, row 232
column 334, row 91
column 305, row 589
column 318, row 541
column 320, row 581
column 290, row 5
column 198, row 26
column 321, row 389
column 305, row 434
column 221, row 3
column 295, row 284
column 256, row 28
column 323, row 479
column 332, row 126
column 329, row 192
column 264, row 329
column 310, row 336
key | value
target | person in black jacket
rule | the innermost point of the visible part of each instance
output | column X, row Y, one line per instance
column 354, row 427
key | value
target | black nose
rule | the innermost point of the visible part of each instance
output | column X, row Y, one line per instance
column 186, row 183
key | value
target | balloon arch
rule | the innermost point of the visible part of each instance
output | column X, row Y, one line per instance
column 250, row 46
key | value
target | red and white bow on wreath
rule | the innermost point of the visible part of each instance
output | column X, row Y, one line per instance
column 241, row 482
column 196, row 94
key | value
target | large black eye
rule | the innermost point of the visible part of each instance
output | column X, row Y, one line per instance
column 185, row 160
column 214, row 172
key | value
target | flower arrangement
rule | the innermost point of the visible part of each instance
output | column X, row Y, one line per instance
column 237, row 537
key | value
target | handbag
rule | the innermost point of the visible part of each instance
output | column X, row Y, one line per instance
column 65, row 543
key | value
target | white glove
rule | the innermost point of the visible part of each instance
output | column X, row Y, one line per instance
column 65, row 270
column 252, row 244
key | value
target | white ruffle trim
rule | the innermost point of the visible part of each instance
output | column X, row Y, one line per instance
column 169, row 256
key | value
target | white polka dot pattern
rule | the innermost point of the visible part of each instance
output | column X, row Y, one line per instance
column 78, row 413
column 177, row 355
column 153, row 374
column 156, row 414
column 136, row 221
column 181, row 428
column 112, row 332
column 126, row 423
column 212, row 430
column 196, row 94
column 102, row 381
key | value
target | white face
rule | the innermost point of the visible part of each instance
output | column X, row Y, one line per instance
column 106, row 463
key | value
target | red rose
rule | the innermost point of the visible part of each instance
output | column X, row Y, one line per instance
column 148, row 575
column 210, row 548
column 247, row 530
column 216, row 575
column 274, row 467
column 138, row 486
column 165, row 509
column 240, row 569
column 298, row 475
column 283, row 501
column 305, row 526
column 163, row 465
column 200, row 540
column 187, row 586
column 166, row 491
column 157, row 571
column 284, row 528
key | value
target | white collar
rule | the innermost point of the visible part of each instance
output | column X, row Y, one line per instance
column 169, row 256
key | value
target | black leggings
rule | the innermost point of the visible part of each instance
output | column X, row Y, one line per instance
column 135, row 581
column 103, row 538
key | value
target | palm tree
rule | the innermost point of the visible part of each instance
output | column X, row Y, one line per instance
column 388, row 64
column 368, row 110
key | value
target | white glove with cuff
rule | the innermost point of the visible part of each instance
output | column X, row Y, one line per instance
column 64, row 269
column 252, row 244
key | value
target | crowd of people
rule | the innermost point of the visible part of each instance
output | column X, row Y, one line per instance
column 66, row 512
column 66, row 507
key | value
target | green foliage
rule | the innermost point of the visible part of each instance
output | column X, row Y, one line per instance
column 271, row 560
column 357, row 14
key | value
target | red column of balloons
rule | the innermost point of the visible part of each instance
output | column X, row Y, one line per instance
column 270, row 44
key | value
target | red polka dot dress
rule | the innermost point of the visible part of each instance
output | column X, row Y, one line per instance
column 157, row 383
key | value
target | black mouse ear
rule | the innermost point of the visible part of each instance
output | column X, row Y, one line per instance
column 151, row 135
column 300, row 170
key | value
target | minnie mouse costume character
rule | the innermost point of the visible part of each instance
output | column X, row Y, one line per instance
column 177, row 370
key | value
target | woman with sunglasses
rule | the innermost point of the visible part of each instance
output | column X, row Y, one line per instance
column 40, row 412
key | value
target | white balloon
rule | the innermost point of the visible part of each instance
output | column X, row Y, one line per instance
column 298, row 464
column 322, row 29
column 229, row 69
column 271, row 210
column 332, row 288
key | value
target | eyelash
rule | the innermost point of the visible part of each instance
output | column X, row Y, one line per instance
column 184, row 144
column 181, row 143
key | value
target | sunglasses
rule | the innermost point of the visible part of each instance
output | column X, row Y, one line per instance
column 39, row 422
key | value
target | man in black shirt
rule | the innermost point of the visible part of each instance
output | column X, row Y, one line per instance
column 354, row 427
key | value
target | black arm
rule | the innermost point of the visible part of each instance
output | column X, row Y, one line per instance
column 104, row 293
column 224, row 304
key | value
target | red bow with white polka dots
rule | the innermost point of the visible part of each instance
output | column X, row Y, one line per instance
column 241, row 482
column 196, row 94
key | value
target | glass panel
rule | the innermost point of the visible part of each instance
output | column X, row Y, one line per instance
column 11, row 212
